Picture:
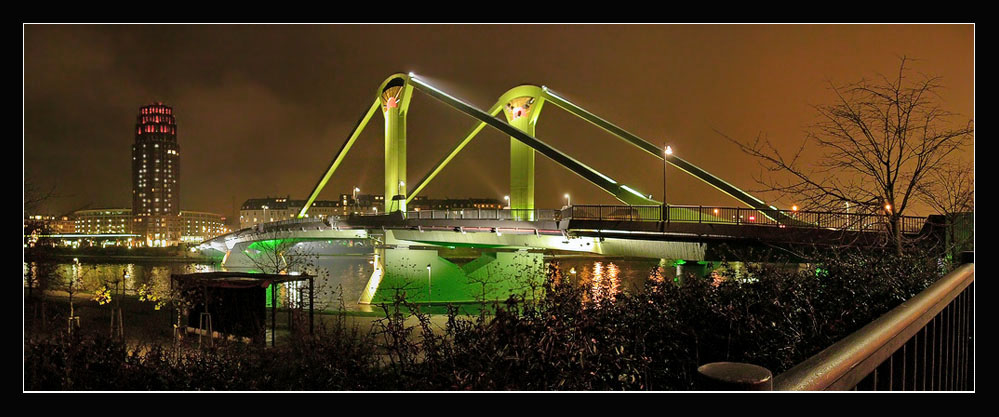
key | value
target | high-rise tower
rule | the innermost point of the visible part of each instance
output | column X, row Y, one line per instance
column 156, row 176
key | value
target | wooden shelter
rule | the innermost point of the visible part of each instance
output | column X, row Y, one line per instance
column 236, row 301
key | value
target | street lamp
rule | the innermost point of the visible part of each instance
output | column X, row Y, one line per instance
column 506, row 198
column 667, row 152
column 568, row 201
column 430, row 286
column 356, row 190
column 402, row 193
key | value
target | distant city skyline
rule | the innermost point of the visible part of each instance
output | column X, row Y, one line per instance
column 265, row 108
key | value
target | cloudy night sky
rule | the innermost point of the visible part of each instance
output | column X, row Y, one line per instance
column 262, row 109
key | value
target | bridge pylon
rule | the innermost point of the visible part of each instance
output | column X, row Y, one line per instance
column 395, row 96
column 522, row 106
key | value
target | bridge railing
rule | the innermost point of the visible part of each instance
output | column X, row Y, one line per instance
column 925, row 344
column 741, row 216
column 485, row 214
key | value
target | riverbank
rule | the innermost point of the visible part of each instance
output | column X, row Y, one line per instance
column 115, row 258
column 145, row 325
column 124, row 254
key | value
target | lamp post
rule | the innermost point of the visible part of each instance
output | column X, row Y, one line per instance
column 402, row 193
column 568, row 200
column 506, row 199
column 666, row 153
column 354, row 197
column 430, row 286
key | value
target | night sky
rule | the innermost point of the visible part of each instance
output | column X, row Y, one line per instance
column 261, row 110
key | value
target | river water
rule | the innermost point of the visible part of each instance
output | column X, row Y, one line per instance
column 341, row 278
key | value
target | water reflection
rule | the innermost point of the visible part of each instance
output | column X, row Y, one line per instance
column 88, row 277
column 341, row 279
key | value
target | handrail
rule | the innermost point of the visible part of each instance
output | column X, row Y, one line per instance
column 844, row 364
column 484, row 214
column 741, row 216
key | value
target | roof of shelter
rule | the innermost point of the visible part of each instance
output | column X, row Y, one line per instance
column 237, row 279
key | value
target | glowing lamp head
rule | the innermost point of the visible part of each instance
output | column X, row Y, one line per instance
column 669, row 150
column 794, row 207
column 888, row 208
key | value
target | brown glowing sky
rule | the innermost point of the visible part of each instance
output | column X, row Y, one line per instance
column 261, row 110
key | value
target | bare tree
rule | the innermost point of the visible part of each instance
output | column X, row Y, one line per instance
column 950, row 191
column 277, row 256
column 41, row 270
column 290, row 256
column 879, row 141
column 35, row 195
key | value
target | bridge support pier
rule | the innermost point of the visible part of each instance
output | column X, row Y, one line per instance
column 423, row 276
column 679, row 270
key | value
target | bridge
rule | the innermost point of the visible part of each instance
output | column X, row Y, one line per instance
column 410, row 247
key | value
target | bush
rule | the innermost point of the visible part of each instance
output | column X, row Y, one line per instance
column 653, row 339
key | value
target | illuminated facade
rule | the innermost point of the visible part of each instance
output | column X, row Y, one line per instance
column 54, row 224
column 198, row 226
column 424, row 203
column 156, row 176
column 271, row 209
column 362, row 204
column 103, row 221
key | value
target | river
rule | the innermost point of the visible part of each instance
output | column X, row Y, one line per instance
column 342, row 278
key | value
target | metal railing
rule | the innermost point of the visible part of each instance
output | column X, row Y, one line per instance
column 742, row 216
column 925, row 344
column 485, row 214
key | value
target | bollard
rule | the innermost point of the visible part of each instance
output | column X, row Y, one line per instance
column 734, row 376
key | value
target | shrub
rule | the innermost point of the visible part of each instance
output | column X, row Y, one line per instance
column 652, row 339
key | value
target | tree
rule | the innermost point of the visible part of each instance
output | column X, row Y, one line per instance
column 950, row 191
column 879, row 141
column 287, row 256
column 41, row 271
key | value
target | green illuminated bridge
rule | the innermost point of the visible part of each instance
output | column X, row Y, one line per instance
column 407, row 246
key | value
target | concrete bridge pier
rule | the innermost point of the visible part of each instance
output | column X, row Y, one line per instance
column 679, row 270
column 237, row 257
column 423, row 276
